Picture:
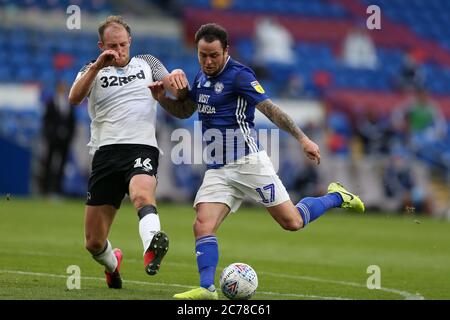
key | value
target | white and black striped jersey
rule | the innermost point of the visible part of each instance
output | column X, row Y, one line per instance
column 121, row 107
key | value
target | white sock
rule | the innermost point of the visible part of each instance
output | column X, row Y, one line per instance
column 107, row 258
column 148, row 226
column 212, row 288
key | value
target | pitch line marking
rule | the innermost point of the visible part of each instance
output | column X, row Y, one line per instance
column 51, row 275
column 404, row 294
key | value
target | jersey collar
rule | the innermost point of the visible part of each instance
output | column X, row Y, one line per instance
column 224, row 66
column 125, row 66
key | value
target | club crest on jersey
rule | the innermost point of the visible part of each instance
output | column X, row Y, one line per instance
column 218, row 87
column 258, row 88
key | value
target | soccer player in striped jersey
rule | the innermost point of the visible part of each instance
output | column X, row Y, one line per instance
column 226, row 94
column 126, row 153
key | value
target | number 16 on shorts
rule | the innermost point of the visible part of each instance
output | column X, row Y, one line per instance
column 144, row 165
column 263, row 193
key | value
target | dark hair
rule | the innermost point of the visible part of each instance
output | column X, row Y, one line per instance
column 211, row 32
column 112, row 20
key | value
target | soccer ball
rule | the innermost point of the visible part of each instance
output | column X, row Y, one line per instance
column 238, row 281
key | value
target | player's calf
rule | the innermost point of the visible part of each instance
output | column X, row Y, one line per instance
column 287, row 216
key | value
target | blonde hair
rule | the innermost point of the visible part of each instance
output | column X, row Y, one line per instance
column 112, row 20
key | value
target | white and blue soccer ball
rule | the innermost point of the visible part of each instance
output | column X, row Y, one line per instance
column 238, row 281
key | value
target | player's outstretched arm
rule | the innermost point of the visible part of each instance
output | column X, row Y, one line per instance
column 176, row 82
column 182, row 109
column 283, row 121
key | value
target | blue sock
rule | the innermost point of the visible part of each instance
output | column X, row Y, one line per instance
column 312, row 208
column 207, row 252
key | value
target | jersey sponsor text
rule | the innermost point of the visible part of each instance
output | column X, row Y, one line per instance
column 112, row 81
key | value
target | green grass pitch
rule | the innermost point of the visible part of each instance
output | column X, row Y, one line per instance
column 39, row 240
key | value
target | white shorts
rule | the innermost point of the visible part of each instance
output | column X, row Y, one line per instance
column 252, row 175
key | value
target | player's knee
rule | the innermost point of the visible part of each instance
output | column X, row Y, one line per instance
column 292, row 225
column 140, row 200
column 202, row 227
column 94, row 246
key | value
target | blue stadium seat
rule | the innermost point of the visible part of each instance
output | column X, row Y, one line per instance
column 5, row 73
column 426, row 18
column 310, row 57
column 19, row 58
column 97, row 6
column 24, row 75
column 246, row 50
column 46, row 75
column 317, row 8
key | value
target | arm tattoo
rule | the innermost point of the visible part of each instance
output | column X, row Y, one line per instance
column 280, row 118
column 180, row 109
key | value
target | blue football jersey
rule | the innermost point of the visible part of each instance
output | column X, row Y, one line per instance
column 226, row 108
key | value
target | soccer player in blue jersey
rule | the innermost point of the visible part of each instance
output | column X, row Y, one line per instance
column 226, row 94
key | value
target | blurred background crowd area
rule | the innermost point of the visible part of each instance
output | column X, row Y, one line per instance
column 377, row 101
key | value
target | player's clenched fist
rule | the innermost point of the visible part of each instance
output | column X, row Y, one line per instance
column 177, row 79
column 106, row 59
column 311, row 149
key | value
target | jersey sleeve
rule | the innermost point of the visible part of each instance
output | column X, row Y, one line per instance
column 159, row 71
column 248, row 87
column 82, row 71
